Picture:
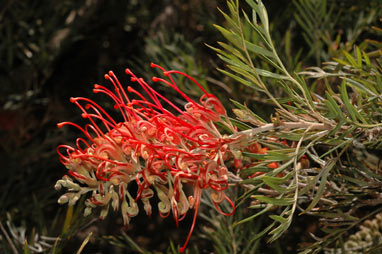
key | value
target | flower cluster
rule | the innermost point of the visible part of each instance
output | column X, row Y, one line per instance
column 157, row 145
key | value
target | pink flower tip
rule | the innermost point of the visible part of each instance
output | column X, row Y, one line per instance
column 155, row 79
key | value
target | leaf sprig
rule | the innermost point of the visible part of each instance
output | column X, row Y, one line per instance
column 334, row 129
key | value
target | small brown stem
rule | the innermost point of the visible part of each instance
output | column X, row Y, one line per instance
column 8, row 238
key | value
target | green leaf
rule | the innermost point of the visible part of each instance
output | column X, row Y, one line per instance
column 354, row 114
column 227, row 57
column 271, row 156
column 341, row 144
column 239, row 79
column 359, row 57
column 26, row 247
column 278, row 188
column 240, row 125
column 238, row 42
column 259, row 235
column 68, row 220
column 244, row 107
column 274, row 201
column 252, row 170
column 234, row 51
column 230, row 36
column 332, row 111
column 361, row 88
column 269, row 74
column 379, row 83
column 277, row 232
column 334, row 106
column 278, row 218
column 259, row 30
column 306, row 91
column 366, row 58
column 323, row 176
column 258, row 50
column 350, row 58
column 356, row 181
column 230, row 20
column 266, row 209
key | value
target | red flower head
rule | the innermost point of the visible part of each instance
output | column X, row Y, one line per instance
column 157, row 148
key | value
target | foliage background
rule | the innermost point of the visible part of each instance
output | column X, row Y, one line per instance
column 53, row 50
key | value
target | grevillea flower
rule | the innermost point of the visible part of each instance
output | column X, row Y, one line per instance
column 155, row 144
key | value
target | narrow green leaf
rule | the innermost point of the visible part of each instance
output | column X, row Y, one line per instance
column 342, row 62
column 266, row 230
column 288, row 136
column 26, row 247
column 269, row 74
column 258, row 50
column 271, row 156
column 277, row 232
column 359, row 57
column 332, row 111
column 354, row 114
column 350, row 58
column 237, row 78
column 341, row 144
column 68, row 220
column 262, row 14
column 238, row 41
column 274, row 201
column 259, row 30
column 379, row 84
column 273, row 179
column 244, row 107
column 260, row 10
column 254, row 17
column 266, row 209
column 224, row 55
column 230, row 21
column 366, row 58
column 306, row 91
column 276, row 187
column 356, row 181
column 240, row 125
column 234, row 51
column 230, row 36
column 334, row 106
column 361, row 87
column 278, row 218
column 323, row 178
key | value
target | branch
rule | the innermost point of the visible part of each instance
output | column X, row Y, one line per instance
column 286, row 125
